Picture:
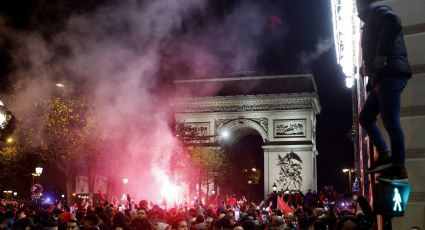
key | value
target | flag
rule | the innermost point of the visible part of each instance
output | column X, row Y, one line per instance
column 232, row 201
column 282, row 205
column 101, row 195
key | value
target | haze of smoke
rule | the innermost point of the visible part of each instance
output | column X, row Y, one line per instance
column 115, row 52
column 115, row 55
column 225, row 47
column 305, row 58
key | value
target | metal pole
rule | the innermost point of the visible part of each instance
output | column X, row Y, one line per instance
column 349, row 180
column 385, row 223
column 355, row 129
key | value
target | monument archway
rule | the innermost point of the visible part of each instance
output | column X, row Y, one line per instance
column 281, row 110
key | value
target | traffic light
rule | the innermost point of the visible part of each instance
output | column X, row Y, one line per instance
column 390, row 198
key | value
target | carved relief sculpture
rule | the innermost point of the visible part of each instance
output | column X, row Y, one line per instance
column 290, row 172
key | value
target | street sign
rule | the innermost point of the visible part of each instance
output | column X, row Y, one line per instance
column 34, row 196
column 36, row 189
column 390, row 198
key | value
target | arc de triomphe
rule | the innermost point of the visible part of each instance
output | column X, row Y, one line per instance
column 281, row 109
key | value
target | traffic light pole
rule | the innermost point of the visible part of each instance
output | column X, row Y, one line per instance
column 384, row 222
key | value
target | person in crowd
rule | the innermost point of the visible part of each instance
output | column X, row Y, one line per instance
column 139, row 224
column 208, row 222
column 119, row 220
column 386, row 65
column 141, row 213
column 347, row 223
column 199, row 223
column 290, row 221
column 72, row 225
column 90, row 222
column 7, row 127
column 103, row 221
column 179, row 223
column 10, row 215
column 365, row 216
column 278, row 222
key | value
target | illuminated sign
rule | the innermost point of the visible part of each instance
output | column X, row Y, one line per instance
column 390, row 198
column 397, row 201
column 346, row 28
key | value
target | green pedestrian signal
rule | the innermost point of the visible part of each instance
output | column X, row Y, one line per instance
column 397, row 201
column 390, row 198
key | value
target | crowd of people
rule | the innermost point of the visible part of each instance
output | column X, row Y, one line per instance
column 323, row 210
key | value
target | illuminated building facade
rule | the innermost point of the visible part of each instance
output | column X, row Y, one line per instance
column 281, row 109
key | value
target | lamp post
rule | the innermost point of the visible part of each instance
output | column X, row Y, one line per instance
column 2, row 119
column 125, row 182
column 38, row 172
column 349, row 177
column 2, row 113
column 8, row 193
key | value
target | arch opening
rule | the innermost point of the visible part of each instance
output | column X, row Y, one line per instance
column 246, row 164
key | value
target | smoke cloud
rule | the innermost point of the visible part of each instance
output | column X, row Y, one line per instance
column 121, row 55
column 306, row 57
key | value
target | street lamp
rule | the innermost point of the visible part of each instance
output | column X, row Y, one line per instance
column 2, row 113
column 274, row 187
column 349, row 176
column 38, row 172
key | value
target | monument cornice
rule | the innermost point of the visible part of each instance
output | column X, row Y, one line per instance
column 245, row 103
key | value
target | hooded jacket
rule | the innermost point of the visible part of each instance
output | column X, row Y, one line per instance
column 382, row 35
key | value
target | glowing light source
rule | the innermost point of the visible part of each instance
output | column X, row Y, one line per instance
column 60, row 85
column 225, row 134
column 347, row 37
column 38, row 170
column 397, row 200
column 9, row 140
column 169, row 191
column 349, row 82
column 125, row 181
column 2, row 113
column 346, row 170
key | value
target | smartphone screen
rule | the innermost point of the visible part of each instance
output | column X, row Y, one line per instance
column 264, row 218
column 237, row 215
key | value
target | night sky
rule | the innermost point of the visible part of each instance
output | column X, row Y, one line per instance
column 290, row 31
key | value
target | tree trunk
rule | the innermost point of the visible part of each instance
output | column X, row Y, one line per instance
column 70, row 182
column 200, row 186
column 208, row 186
